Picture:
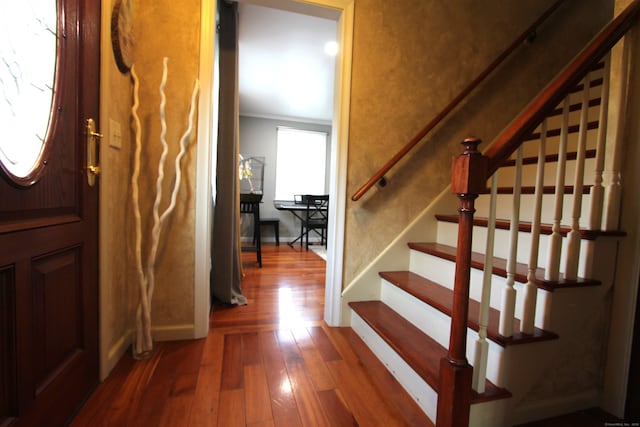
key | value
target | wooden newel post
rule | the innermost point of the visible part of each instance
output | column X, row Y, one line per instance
column 468, row 179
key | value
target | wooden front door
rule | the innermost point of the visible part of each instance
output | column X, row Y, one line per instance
column 48, row 218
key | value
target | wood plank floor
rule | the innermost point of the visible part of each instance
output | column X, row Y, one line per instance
column 273, row 362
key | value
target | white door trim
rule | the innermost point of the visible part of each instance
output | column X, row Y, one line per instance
column 207, row 131
column 340, row 142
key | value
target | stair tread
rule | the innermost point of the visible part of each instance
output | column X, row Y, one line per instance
column 525, row 226
column 500, row 267
column 441, row 298
column 417, row 349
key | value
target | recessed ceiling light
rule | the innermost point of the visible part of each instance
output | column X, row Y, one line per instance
column 331, row 48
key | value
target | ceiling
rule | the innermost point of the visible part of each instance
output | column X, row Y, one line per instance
column 284, row 70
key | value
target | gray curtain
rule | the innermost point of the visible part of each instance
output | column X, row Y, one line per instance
column 226, row 264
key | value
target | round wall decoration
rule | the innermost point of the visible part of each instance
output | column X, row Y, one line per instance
column 122, row 34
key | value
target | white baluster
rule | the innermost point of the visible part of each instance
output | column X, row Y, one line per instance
column 597, row 191
column 482, row 346
column 573, row 244
column 530, row 289
column 508, row 308
column 552, row 271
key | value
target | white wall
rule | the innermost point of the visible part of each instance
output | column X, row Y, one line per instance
column 258, row 138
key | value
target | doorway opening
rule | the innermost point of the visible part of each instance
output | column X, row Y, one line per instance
column 342, row 12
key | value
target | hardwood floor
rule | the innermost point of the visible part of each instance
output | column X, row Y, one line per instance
column 273, row 362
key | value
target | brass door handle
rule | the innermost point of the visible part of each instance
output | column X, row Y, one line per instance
column 92, row 136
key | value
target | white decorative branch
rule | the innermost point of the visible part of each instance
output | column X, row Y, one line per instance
column 143, row 344
column 155, row 232
column 184, row 144
column 143, row 305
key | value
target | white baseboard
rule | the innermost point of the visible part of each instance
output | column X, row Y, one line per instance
column 173, row 332
column 114, row 354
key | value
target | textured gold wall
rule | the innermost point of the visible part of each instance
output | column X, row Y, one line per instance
column 167, row 28
column 410, row 58
column 116, row 294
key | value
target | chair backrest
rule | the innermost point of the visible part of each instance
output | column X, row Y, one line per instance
column 317, row 207
column 250, row 203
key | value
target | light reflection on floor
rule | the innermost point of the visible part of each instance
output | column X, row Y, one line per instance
column 290, row 315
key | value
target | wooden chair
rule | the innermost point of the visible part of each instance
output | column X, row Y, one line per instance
column 316, row 218
column 250, row 204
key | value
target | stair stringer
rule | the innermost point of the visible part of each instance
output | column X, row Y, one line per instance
column 366, row 285
column 421, row 392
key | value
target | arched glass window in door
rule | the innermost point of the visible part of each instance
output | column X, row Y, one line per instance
column 28, row 56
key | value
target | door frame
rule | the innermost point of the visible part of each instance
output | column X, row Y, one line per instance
column 343, row 10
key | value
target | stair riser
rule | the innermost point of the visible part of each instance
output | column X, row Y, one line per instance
column 506, row 175
column 437, row 325
column 504, row 207
column 443, row 272
column 554, row 122
column 422, row 393
column 530, row 148
column 448, row 232
column 574, row 116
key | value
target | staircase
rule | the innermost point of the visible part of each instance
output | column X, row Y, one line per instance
column 540, row 269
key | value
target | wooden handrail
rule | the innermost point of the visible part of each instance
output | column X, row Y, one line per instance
column 454, row 103
column 509, row 140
